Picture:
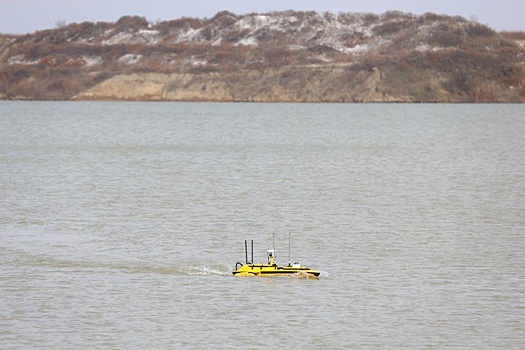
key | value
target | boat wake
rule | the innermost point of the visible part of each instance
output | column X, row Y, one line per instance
column 189, row 270
column 197, row 270
column 65, row 264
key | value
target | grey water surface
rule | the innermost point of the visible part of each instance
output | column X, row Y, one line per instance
column 120, row 225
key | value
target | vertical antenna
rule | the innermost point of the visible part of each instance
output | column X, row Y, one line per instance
column 252, row 251
column 273, row 245
column 246, row 250
column 289, row 249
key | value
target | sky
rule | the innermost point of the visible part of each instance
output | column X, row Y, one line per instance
column 27, row 16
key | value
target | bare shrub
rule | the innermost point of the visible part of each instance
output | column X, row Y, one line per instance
column 370, row 18
column 446, row 38
column 347, row 18
column 223, row 19
column 513, row 35
column 389, row 28
column 391, row 15
column 131, row 23
column 476, row 29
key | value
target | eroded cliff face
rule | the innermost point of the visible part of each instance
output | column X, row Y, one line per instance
column 159, row 87
column 313, row 84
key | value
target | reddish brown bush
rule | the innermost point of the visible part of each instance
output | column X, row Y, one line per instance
column 513, row 35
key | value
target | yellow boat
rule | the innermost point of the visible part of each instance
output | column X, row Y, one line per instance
column 271, row 268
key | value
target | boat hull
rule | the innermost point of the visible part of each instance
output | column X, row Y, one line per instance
column 264, row 270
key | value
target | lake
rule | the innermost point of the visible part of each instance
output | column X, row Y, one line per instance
column 121, row 223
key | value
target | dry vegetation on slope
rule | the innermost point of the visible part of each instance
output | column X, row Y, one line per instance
column 281, row 56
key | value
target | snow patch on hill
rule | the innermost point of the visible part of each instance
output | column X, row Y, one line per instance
column 130, row 58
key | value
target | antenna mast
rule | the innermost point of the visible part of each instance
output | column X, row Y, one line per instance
column 274, row 245
column 289, row 249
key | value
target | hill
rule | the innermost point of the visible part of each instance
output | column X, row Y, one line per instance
column 279, row 56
